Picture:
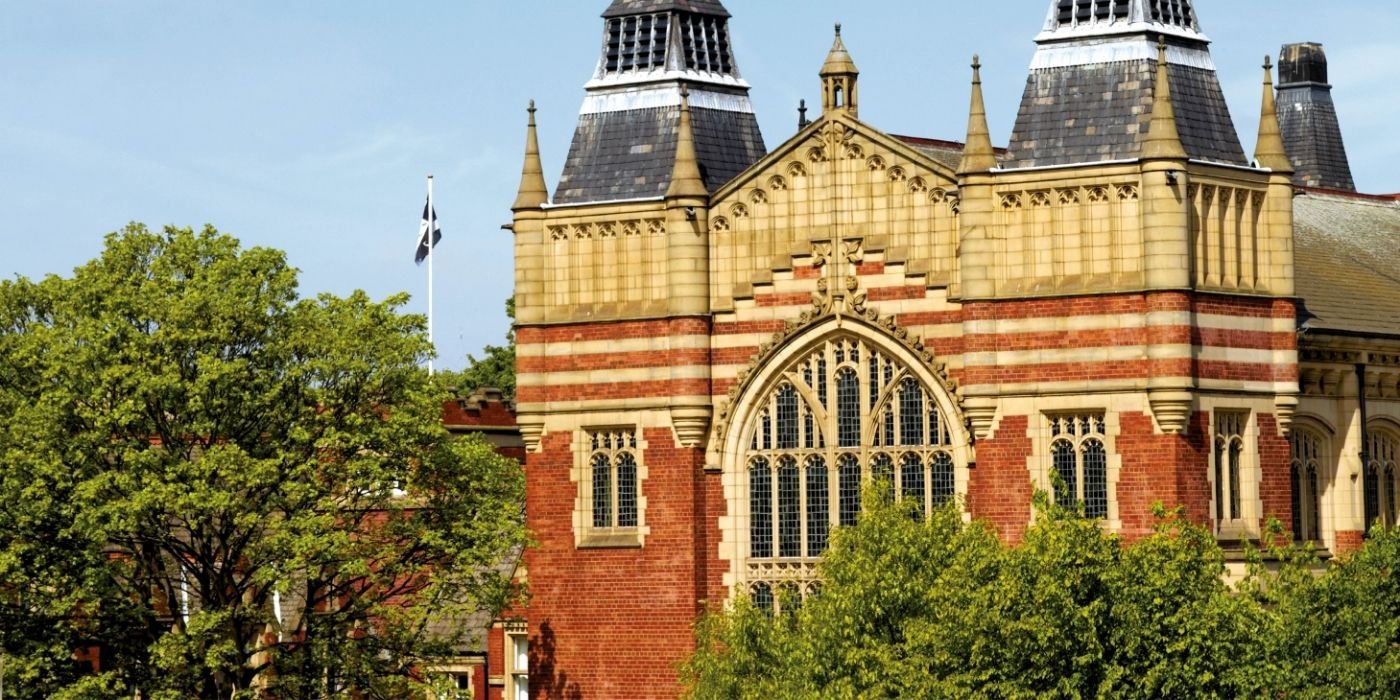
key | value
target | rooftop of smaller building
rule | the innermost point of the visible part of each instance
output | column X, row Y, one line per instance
column 1345, row 248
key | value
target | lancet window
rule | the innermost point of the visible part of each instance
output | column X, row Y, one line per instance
column 1382, row 454
column 1229, row 456
column 1305, row 479
column 841, row 416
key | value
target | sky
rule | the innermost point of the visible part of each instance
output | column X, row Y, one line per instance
column 311, row 126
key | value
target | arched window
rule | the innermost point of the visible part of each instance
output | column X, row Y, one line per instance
column 1229, row 451
column 1080, row 459
column 1382, row 453
column 1305, row 474
column 837, row 418
column 613, row 465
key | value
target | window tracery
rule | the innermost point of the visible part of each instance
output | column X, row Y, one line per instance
column 841, row 415
column 1080, row 458
column 1229, row 454
column 1382, row 454
column 1305, row 475
column 611, row 483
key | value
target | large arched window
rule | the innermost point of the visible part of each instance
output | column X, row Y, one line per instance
column 838, row 417
column 1305, row 479
column 1382, row 453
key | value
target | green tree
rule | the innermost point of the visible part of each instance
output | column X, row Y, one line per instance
column 185, row 443
column 941, row 609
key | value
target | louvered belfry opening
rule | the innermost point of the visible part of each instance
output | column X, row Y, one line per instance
column 637, row 43
column 705, row 41
column 1072, row 12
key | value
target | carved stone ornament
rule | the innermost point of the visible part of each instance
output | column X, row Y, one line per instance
column 690, row 423
column 531, row 431
column 1285, row 406
column 1172, row 409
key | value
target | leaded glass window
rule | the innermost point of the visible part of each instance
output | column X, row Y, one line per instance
column 1382, row 453
column 1229, row 452
column 1079, row 457
column 1304, row 475
column 612, row 464
column 843, row 415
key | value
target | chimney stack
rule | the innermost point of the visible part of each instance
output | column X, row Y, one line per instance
column 1308, row 119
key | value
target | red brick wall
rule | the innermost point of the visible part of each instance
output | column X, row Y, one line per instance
column 1170, row 469
column 1275, row 489
column 999, row 488
column 615, row 623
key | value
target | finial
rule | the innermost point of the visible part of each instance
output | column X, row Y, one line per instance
column 533, row 191
column 1268, row 63
column 685, row 96
column 802, row 114
column 978, row 155
column 838, row 29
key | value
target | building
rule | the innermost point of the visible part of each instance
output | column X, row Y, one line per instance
column 718, row 344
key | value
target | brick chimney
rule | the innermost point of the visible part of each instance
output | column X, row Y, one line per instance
column 1308, row 119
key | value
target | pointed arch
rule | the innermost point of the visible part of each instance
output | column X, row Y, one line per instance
column 820, row 398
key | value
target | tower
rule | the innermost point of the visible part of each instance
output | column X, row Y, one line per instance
column 1095, row 62
column 625, row 142
column 1308, row 119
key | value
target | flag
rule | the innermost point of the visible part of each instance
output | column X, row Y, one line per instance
column 430, row 223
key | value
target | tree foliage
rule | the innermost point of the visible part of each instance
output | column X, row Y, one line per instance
column 941, row 609
column 183, row 442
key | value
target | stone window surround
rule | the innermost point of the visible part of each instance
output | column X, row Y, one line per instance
column 1042, row 458
column 586, row 536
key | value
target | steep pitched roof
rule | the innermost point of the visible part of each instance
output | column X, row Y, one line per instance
column 1345, row 248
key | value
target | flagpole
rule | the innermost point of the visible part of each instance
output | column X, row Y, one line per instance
column 432, row 223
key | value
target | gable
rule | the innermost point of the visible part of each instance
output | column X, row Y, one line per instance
column 837, row 178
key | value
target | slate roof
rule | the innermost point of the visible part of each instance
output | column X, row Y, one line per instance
column 620, row 8
column 1094, row 112
column 1307, row 120
column 948, row 153
column 1345, row 248
column 630, row 154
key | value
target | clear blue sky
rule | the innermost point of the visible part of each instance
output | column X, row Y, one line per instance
column 310, row 125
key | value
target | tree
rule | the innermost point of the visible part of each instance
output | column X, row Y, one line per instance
column 941, row 609
column 208, row 485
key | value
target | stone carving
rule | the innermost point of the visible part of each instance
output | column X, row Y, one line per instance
column 777, row 183
column 1011, row 201
column 1069, row 197
column 917, row 185
column 796, row 169
column 875, row 163
column 656, row 227
column 719, row 224
column 758, row 197
column 1127, row 193
column 1040, row 198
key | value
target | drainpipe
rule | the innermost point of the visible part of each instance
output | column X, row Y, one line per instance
column 1365, row 440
